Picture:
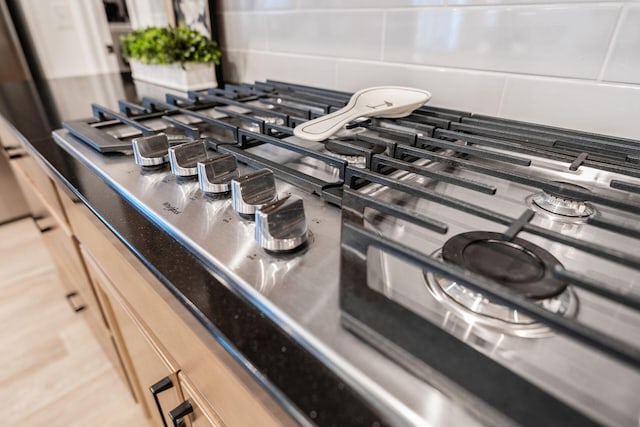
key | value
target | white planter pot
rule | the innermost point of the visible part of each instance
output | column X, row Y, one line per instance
column 180, row 77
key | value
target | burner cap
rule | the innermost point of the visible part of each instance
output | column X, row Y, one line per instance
column 518, row 264
column 559, row 204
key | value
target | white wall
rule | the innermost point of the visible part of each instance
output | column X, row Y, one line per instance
column 572, row 63
column 69, row 36
column 73, row 97
column 147, row 13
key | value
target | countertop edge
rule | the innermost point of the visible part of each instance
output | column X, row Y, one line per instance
column 274, row 390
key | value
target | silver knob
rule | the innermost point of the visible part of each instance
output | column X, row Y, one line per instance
column 151, row 150
column 281, row 225
column 249, row 192
column 215, row 175
column 184, row 158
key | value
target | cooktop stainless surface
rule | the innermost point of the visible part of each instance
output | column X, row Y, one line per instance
column 300, row 291
column 548, row 214
column 528, row 347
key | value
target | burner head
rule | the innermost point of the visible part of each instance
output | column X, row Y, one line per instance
column 559, row 204
column 518, row 264
column 350, row 146
column 350, row 150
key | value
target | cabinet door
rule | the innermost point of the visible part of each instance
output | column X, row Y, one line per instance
column 64, row 250
column 147, row 365
column 107, row 342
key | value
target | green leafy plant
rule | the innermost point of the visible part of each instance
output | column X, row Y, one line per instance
column 168, row 45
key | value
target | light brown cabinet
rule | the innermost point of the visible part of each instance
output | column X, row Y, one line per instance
column 156, row 380
column 151, row 339
column 45, row 205
column 201, row 416
column 36, row 185
column 12, row 203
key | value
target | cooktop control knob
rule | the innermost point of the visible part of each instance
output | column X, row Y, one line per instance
column 249, row 192
column 215, row 175
column 281, row 226
column 184, row 158
column 151, row 150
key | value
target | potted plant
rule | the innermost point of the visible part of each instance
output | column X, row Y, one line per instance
column 174, row 57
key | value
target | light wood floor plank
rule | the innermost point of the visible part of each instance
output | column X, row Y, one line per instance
column 52, row 370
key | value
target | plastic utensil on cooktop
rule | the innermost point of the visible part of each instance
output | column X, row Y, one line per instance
column 382, row 101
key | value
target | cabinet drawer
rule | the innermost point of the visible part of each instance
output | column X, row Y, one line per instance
column 65, row 255
column 35, row 183
column 203, row 415
column 153, row 377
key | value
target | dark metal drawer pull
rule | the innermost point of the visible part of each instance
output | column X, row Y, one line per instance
column 159, row 387
column 179, row 412
column 70, row 296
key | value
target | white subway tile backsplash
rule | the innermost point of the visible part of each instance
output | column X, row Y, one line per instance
column 544, row 39
column 236, row 67
column 590, row 106
column 365, row 4
column 251, row 66
column 352, row 34
column 484, row 56
column 624, row 60
column 244, row 31
column 467, row 90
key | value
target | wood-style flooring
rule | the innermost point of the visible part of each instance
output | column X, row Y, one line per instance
column 52, row 369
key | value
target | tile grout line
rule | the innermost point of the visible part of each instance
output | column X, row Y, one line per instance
column 612, row 41
column 384, row 35
column 446, row 4
column 502, row 96
column 486, row 72
column 267, row 42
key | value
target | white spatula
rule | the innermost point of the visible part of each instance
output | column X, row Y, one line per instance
column 382, row 101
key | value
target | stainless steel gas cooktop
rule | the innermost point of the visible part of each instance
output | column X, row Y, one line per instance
column 455, row 268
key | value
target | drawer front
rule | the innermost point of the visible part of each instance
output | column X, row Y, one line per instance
column 38, row 188
column 12, row 203
column 203, row 414
column 155, row 380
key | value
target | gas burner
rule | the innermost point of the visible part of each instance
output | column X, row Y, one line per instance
column 518, row 265
column 348, row 149
column 270, row 120
column 557, row 204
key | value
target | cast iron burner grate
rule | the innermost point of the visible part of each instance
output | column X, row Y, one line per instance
column 250, row 116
